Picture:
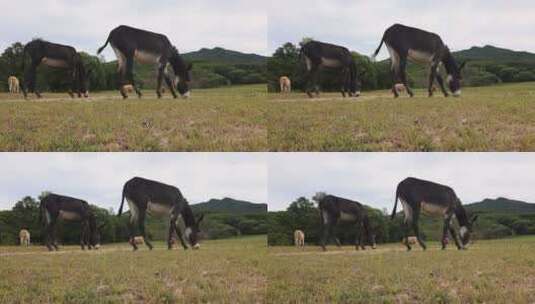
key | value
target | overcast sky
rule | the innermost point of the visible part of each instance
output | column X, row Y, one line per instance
column 233, row 24
column 360, row 24
column 99, row 177
column 371, row 178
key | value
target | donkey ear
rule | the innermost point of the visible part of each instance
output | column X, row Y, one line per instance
column 462, row 65
column 200, row 218
column 474, row 218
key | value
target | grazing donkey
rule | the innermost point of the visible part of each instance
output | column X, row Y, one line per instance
column 408, row 43
column 335, row 209
column 161, row 200
column 24, row 236
column 58, row 207
column 56, row 56
column 299, row 239
column 131, row 44
column 418, row 195
column 318, row 54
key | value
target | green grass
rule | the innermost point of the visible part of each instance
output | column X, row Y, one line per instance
column 223, row 271
column 499, row 271
column 244, row 270
column 498, row 118
column 223, row 119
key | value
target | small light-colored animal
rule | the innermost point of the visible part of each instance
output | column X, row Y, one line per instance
column 139, row 240
column 412, row 240
column 299, row 238
column 399, row 87
column 285, row 84
column 128, row 88
column 14, row 86
column 24, row 236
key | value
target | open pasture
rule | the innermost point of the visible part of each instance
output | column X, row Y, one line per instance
column 222, row 119
column 497, row 118
column 497, row 271
column 222, row 271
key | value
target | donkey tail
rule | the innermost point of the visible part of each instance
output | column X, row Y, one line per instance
column 378, row 49
column 122, row 202
column 104, row 46
column 395, row 205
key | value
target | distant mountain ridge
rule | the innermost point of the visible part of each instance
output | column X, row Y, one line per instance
column 502, row 205
column 231, row 206
column 221, row 55
column 489, row 52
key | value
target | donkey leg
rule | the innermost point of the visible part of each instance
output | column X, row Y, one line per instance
column 130, row 74
column 54, row 236
column 48, row 237
column 130, row 226
column 362, row 236
column 180, row 236
column 432, row 76
column 441, row 84
column 445, row 230
column 170, row 85
column 416, row 215
column 403, row 75
column 311, row 83
column 159, row 80
column 82, row 235
column 394, row 73
column 455, row 238
column 345, row 87
column 405, row 228
column 324, row 236
column 141, row 224
column 29, row 80
column 172, row 223
column 333, row 236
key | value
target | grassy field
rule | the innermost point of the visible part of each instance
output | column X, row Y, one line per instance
column 223, row 119
column 499, row 271
column 243, row 270
column 498, row 118
column 223, row 271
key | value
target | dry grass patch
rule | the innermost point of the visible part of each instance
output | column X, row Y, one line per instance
column 225, row 119
column 499, row 118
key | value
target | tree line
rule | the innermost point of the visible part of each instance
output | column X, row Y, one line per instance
column 303, row 214
column 25, row 214
column 286, row 61
column 104, row 74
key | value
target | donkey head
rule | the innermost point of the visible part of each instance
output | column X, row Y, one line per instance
column 466, row 231
column 192, row 232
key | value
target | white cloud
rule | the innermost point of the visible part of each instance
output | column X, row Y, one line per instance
column 371, row 178
column 99, row 177
column 235, row 24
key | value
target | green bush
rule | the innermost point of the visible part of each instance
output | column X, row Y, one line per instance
column 524, row 76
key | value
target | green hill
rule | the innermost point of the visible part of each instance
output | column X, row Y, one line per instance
column 501, row 205
column 230, row 206
column 221, row 55
column 495, row 54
